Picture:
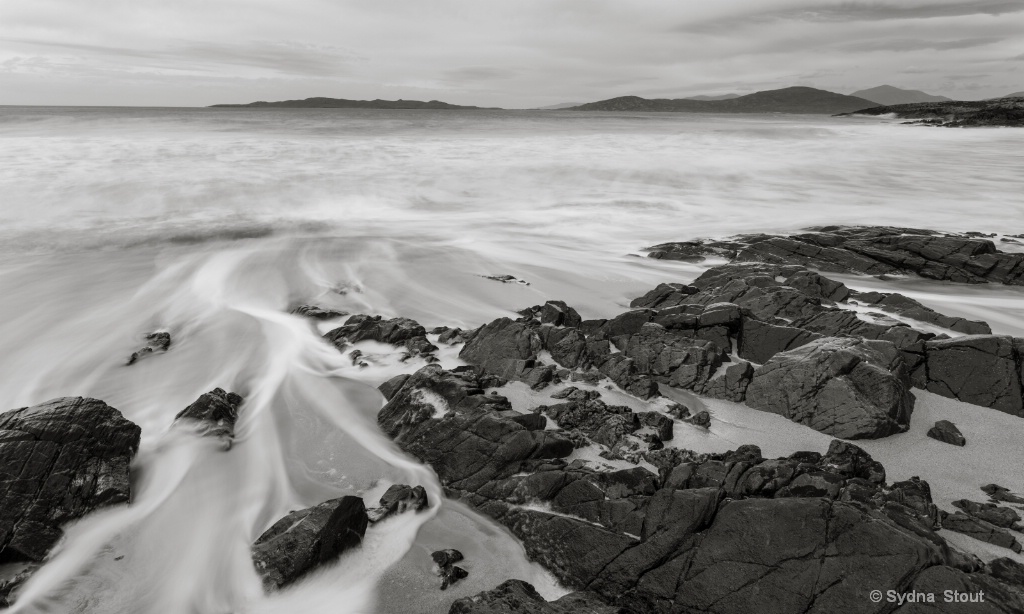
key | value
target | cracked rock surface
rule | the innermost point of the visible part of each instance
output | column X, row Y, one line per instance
column 59, row 461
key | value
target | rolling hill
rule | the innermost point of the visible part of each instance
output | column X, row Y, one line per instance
column 785, row 100
column 343, row 103
column 888, row 95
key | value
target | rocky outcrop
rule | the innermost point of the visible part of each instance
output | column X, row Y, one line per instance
column 985, row 370
column 846, row 388
column 981, row 530
column 304, row 539
column 213, row 414
column 398, row 499
column 518, row 597
column 156, row 343
column 59, row 461
column 880, row 250
column 685, row 336
column 946, row 432
column 396, row 331
column 722, row 533
column 318, row 313
column 446, row 568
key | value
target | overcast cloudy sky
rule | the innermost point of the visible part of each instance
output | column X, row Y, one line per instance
column 513, row 53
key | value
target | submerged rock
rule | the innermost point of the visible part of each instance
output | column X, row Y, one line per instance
column 444, row 562
column 59, row 461
column 304, row 539
column 318, row 313
column 213, row 414
column 156, row 343
column 946, row 432
column 846, row 388
column 395, row 331
column 398, row 499
column 506, row 279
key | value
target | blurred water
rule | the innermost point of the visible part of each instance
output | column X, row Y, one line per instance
column 212, row 223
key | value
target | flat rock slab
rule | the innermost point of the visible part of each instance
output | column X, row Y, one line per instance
column 59, row 461
column 306, row 538
column 518, row 597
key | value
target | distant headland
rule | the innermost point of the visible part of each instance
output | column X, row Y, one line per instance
column 343, row 103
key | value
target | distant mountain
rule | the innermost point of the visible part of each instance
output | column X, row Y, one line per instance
column 786, row 100
column 1014, row 95
column 887, row 94
column 956, row 113
column 342, row 103
column 706, row 97
column 561, row 105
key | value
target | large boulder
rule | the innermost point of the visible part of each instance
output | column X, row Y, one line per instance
column 395, row 331
column 847, row 388
column 307, row 538
column 984, row 370
column 59, row 461
column 507, row 348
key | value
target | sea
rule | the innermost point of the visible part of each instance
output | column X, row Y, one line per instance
column 213, row 223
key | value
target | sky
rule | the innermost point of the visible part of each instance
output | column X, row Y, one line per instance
column 508, row 53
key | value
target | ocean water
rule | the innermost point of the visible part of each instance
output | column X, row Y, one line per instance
column 212, row 223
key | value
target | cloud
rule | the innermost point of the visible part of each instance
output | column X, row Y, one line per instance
column 909, row 44
column 285, row 58
column 520, row 53
column 474, row 74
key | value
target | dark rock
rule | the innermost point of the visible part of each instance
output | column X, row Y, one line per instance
column 1007, row 570
column 518, row 597
column 908, row 307
column 1004, row 517
column 213, row 414
column 721, row 533
column 732, row 385
column 59, row 461
column 12, row 583
column 556, row 313
column 978, row 593
column 452, row 335
column 999, row 493
column 877, row 250
column 396, row 331
column 471, row 443
column 157, row 342
column 602, row 423
column 399, row 498
column 506, row 279
column 393, row 385
column 304, row 539
column 701, row 419
column 980, row 530
column 445, row 560
column 688, row 251
column 759, row 341
column 980, row 369
column 318, row 313
column 847, row 388
column 946, row 432
column 507, row 349
column 661, row 423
